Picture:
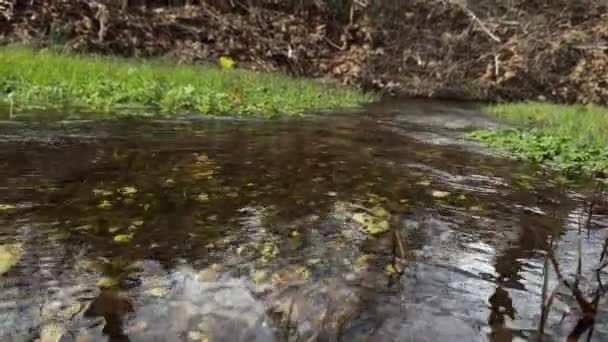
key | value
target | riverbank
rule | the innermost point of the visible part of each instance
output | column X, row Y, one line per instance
column 484, row 50
column 570, row 138
column 47, row 80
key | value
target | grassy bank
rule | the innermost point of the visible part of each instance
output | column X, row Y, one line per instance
column 49, row 80
column 571, row 138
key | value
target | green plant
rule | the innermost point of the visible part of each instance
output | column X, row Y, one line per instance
column 557, row 151
column 48, row 79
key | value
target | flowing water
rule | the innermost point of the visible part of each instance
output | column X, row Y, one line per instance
column 379, row 225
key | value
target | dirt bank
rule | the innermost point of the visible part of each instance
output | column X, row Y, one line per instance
column 490, row 50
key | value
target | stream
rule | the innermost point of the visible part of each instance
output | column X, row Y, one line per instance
column 380, row 224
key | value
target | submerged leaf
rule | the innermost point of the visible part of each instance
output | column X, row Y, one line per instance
column 270, row 250
column 104, row 205
column 102, row 193
column 372, row 225
column 4, row 207
column 9, row 256
column 52, row 333
column 157, row 292
column 128, row 191
column 202, row 198
column 123, row 238
column 259, row 276
column 440, row 194
column 106, row 282
column 392, row 270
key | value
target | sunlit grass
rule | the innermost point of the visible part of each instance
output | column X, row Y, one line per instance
column 570, row 138
column 47, row 79
column 584, row 124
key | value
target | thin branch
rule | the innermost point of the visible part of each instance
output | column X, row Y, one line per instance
column 478, row 21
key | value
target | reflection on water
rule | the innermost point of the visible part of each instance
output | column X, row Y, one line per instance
column 349, row 227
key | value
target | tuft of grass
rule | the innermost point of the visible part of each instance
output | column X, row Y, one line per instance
column 51, row 80
column 570, row 138
column 585, row 124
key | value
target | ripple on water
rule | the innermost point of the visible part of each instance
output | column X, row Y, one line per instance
column 327, row 228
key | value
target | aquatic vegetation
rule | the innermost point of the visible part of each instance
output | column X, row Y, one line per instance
column 76, row 83
column 541, row 146
column 583, row 124
column 9, row 256
column 570, row 138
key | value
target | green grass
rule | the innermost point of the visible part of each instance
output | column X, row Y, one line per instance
column 571, row 138
column 585, row 124
column 46, row 80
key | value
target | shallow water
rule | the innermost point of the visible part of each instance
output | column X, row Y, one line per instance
column 380, row 225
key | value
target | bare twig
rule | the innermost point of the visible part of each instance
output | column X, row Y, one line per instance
column 477, row 20
column 586, row 307
column 401, row 249
column 544, row 310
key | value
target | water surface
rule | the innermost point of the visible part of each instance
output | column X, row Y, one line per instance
column 380, row 225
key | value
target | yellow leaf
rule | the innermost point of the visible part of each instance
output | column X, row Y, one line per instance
column 52, row 333
column 202, row 197
column 6, row 207
column 128, row 190
column 106, row 282
column 9, row 256
column 123, row 238
column 157, row 292
column 370, row 224
column 226, row 62
column 392, row 270
column 270, row 250
column 104, row 205
column 259, row 276
column 440, row 194
column 101, row 192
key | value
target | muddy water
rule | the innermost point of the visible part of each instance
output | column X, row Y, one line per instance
column 383, row 225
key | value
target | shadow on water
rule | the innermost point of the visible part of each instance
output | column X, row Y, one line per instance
column 384, row 225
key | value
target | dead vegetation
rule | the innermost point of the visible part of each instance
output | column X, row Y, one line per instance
column 585, row 290
column 490, row 49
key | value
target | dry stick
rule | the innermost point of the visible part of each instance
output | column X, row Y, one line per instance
column 401, row 249
column 578, row 294
column 478, row 21
column 543, row 308
column 548, row 304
